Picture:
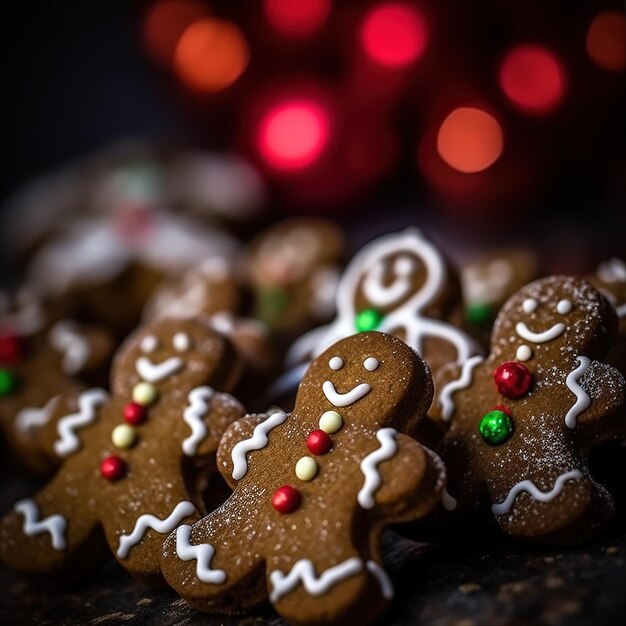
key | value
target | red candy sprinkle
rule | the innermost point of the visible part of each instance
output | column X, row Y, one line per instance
column 113, row 467
column 512, row 379
column 319, row 442
column 286, row 499
column 10, row 349
column 134, row 413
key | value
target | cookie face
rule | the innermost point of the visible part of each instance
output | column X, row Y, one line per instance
column 313, row 490
column 177, row 352
column 128, row 459
column 490, row 280
column 204, row 289
column 522, row 422
column 546, row 318
column 399, row 284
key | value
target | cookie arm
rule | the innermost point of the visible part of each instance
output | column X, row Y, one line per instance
column 239, row 432
column 598, row 392
column 412, row 482
column 55, row 532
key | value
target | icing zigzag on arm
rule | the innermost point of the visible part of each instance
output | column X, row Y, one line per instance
column 256, row 442
column 369, row 466
column 144, row 522
column 583, row 401
column 88, row 403
column 462, row 382
column 199, row 405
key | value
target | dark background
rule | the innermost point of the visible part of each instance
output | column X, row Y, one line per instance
column 76, row 78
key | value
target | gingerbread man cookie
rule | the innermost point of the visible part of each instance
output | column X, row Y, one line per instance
column 128, row 458
column 313, row 490
column 40, row 360
column 293, row 270
column 398, row 284
column 522, row 422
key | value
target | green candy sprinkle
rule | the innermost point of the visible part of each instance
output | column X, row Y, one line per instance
column 478, row 314
column 495, row 427
column 8, row 382
column 368, row 319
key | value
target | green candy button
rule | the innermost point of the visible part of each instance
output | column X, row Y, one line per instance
column 495, row 427
column 478, row 314
column 8, row 382
column 368, row 319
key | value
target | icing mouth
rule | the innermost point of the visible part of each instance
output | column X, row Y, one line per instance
column 154, row 372
column 506, row 505
column 547, row 335
column 344, row 399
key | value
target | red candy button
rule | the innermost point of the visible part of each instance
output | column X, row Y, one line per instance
column 134, row 413
column 113, row 468
column 504, row 409
column 319, row 442
column 10, row 349
column 286, row 499
column 512, row 379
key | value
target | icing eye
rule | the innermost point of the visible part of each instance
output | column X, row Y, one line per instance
column 336, row 363
column 371, row 364
column 181, row 342
column 403, row 266
column 564, row 307
column 149, row 344
column 530, row 305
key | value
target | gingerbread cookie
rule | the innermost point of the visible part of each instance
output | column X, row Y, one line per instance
column 522, row 422
column 610, row 279
column 489, row 280
column 398, row 284
column 39, row 361
column 313, row 490
column 293, row 270
column 204, row 289
column 128, row 458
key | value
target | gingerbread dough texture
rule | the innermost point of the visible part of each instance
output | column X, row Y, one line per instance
column 128, row 459
column 313, row 490
column 522, row 422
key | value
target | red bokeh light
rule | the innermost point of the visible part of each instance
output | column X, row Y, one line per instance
column 164, row 24
column 211, row 55
column 470, row 140
column 606, row 41
column 394, row 34
column 293, row 133
column 533, row 78
column 297, row 18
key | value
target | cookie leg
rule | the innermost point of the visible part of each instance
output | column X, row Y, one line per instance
column 573, row 510
column 213, row 563
column 344, row 588
column 54, row 533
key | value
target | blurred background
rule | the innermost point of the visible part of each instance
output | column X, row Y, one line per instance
column 486, row 124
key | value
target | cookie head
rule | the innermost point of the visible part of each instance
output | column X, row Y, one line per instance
column 550, row 318
column 367, row 378
column 175, row 355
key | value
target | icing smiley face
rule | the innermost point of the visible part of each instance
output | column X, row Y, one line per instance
column 547, row 315
column 353, row 383
column 167, row 350
column 321, row 482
